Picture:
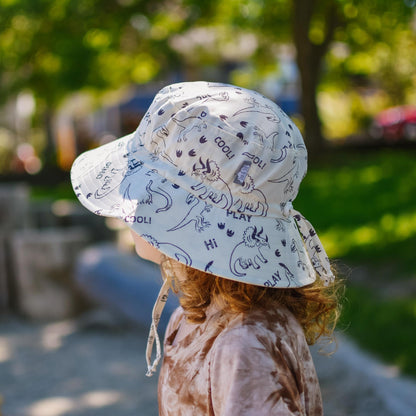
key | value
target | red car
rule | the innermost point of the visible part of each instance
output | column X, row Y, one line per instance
column 395, row 123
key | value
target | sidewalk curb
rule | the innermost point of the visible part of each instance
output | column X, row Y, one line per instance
column 394, row 391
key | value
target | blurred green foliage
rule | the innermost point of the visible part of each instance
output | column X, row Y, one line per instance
column 360, row 53
column 384, row 326
column 55, row 48
column 364, row 206
column 61, row 191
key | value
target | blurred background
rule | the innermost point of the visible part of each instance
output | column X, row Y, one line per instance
column 75, row 74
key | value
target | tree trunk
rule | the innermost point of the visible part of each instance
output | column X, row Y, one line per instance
column 309, row 60
column 49, row 152
column 309, row 70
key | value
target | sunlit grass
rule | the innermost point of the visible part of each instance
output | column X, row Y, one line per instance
column 388, row 230
column 364, row 206
column 364, row 209
column 386, row 327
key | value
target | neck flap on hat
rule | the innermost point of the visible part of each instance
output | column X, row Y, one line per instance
column 314, row 247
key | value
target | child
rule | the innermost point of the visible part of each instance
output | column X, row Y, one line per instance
column 206, row 184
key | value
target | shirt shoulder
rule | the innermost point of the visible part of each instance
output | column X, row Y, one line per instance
column 279, row 325
column 174, row 321
column 257, row 366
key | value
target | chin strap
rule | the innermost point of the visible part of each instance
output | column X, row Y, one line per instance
column 153, row 335
column 314, row 247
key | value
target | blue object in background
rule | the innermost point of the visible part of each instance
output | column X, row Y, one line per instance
column 289, row 104
column 123, row 282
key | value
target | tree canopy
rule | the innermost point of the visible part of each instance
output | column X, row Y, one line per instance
column 54, row 48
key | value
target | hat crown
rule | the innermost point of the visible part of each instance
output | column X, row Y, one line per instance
column 222, row 139
column 208, row 178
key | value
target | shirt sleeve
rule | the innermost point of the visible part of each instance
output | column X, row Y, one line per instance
column 251, row 377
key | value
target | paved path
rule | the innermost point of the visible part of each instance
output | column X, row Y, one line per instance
column 355, row 384
column 74, row 368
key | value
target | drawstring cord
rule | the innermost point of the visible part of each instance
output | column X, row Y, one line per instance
column 314, row 247
column 153, row 335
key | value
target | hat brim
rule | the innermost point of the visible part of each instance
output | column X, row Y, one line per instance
column 264, row 251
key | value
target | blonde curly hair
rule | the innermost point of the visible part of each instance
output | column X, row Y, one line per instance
column 316, row 306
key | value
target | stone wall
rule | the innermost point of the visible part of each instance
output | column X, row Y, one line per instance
column 14, row 215
column 39, row 243
column 43, row 263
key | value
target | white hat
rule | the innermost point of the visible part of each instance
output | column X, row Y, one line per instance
column 208, row 178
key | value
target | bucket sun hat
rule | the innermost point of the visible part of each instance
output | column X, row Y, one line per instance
column 208, row 178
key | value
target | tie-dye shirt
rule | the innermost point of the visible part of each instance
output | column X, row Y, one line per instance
column 249, row 364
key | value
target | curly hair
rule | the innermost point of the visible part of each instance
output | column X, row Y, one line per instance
column 316, row 306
